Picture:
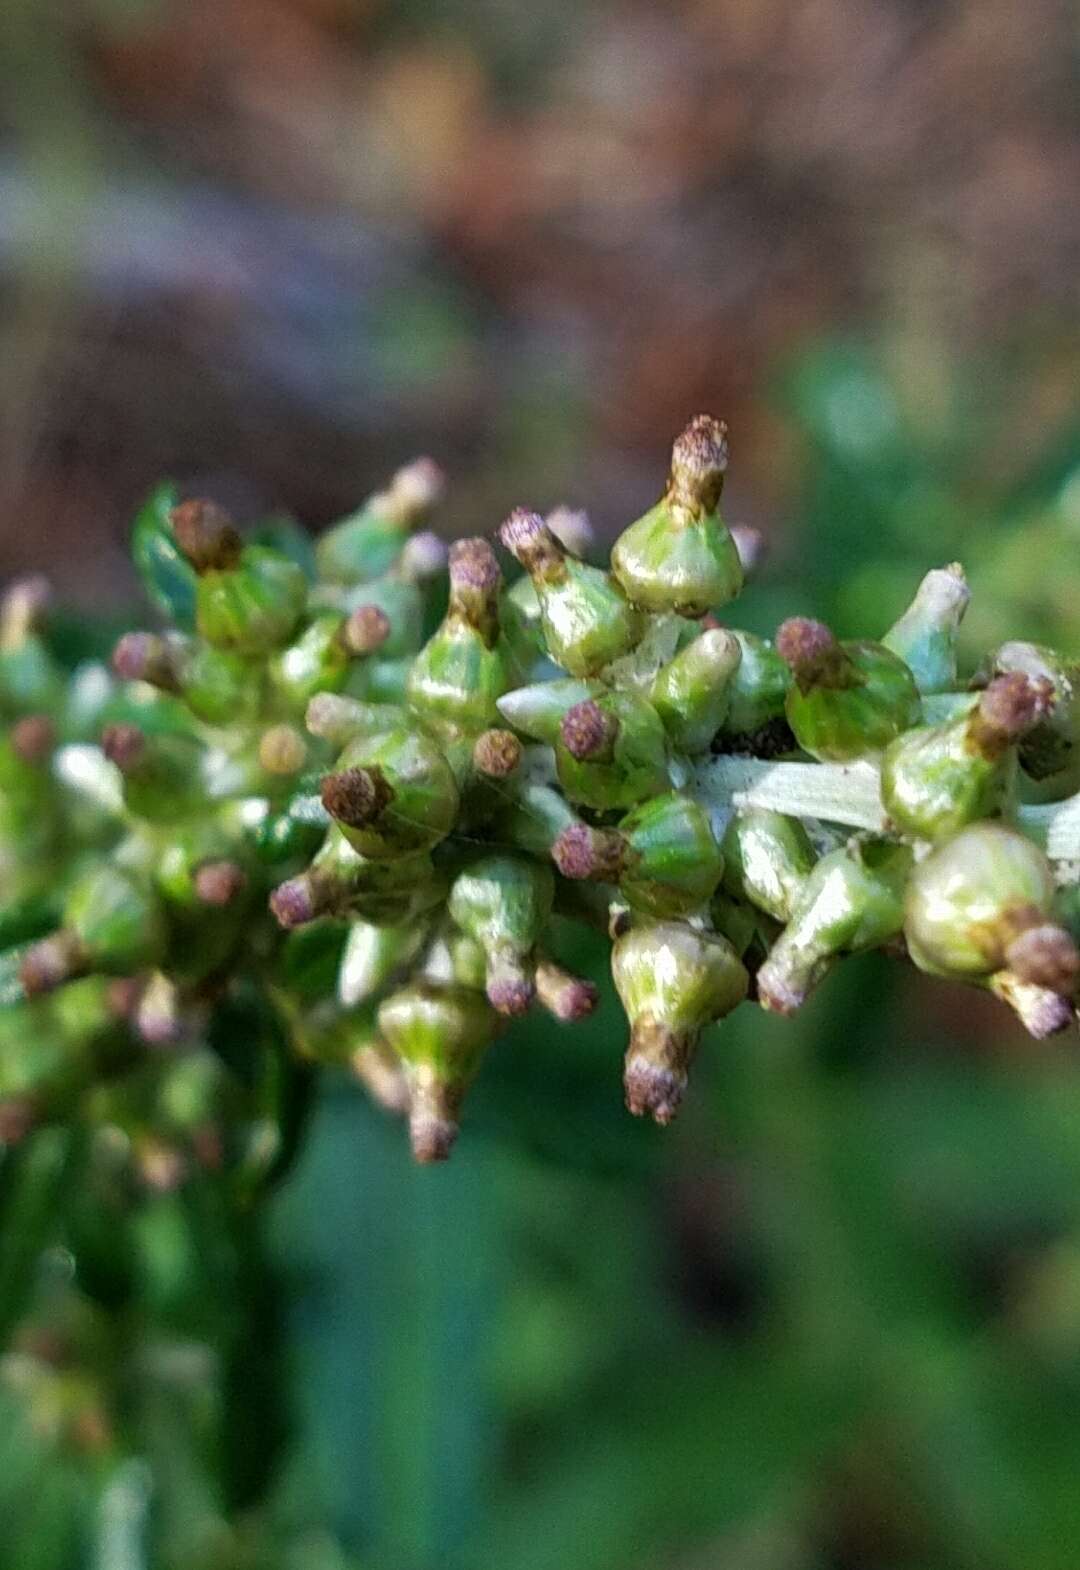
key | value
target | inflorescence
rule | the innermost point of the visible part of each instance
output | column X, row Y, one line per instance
column 296, row 791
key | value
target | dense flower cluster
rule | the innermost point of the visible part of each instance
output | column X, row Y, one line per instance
column 312, row 802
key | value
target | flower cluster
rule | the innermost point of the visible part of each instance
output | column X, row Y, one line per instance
column 337, row 798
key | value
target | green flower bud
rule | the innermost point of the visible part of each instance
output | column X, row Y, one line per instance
column 767, row 860
column 936, row 779
column 533, row 816
column 663, row 856
column 737, row 921
column 366, row 544
column 392, row 792
column 691, row 692
column 463, row 670
column 851, row 901
column 318, row 661
column 611, row 752
column 112, row 926
column 1050, row 751
column 586, row 620
column 756, row 694
column 538, row 710
column 340, row 881
column 925, row 636
column 440, row 1033
column 848, row 699
column 248, row 600
column 373, row 955
column 672, row 981
column 983, row 902
column 680, row 556
column 393, row 608
column 220, row 688
column 164, row 776
column 30, row 679
column 503, row 903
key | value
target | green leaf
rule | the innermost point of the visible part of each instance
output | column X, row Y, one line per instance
column 167, row 576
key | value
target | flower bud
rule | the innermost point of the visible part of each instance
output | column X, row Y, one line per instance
column 1050, row 750
column 30, row 679
column 586, row 620
column 317, row 661
column 680, row 556
column 663, row 856
column 464, row 668
column 565, row 996
column 369, row 541
column 440, row 1034
column 248, row 603
column 611, row 752
column 935, row 779
column 538, row 710
column 691, row 692
column 925, row 636
column 756, row 693
column 851, row 901
column 393, row 793
column 163, row 775
column 503, row 903
column 767, row 860
column 672, row 981
column 496, row 754
column 533, row 816
column 340, row 881
column 848, row 699
column 111, row 926
column 373, row 955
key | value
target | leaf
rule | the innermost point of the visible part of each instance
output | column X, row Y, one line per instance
column 167, row 576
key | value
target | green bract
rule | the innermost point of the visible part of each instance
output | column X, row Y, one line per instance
column 295, row 828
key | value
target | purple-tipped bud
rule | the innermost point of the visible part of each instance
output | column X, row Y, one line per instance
column 48, row 964
column 365, row 630
column 21, row 611
column 356, row 797
column 588, row 732
column 124, row 746
column 157, row 1018
column 497, row 753
column 1012, row 704
column 432, row 1137
column 143, row 656
column 282, row 750
column 1045, row 956
column 510, row 988
column 473, row 566
column 33, row 738
column 417, row 488
column 295, row 902
column 566, row 996
column 653, row 1088
column 219, row 883
column 423, row 556
column 206, row 535
column 699, row 461
column 581, row 852
column 525, row 535
column 803, row 642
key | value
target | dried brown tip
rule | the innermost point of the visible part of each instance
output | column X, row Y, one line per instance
column 206, row 535
column 356, row 797
column 588, row 733
column 143, row 656
column 48, row 964
column 699, row 460
column 582, row 852
column 497, row 753
column 1045, row 956
column 22, row 609
column 218, row 883
column 566, row 996
column 282, row 750
column 417, row 488
column 1012, row 704
column 365, row 629
column 295, row 902
column 33, row 738
column 123, row 745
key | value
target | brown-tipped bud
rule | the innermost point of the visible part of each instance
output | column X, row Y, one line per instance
column 803, row 642
column 365, row 630
column 588, row 732
column 751, row 545
column 656, row 1071
column 417, row 488
column 526, row 536
column 571, row 526
column 282, row 750
column 699, row 461
column 48, row 964
column 581, row 852
column 219, row 883
column 423, row 556
column 296, row 902
column 123, row 745
column 33, row 738
column 566, row 996
column 433, row 1125
column 356, row 797
column 143, row 656
column 497, row 753
column 22, row 608
column 206, row 535
column 1045, row 956
column 1011, row 705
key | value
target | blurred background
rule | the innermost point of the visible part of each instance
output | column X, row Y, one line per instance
column 273, row 248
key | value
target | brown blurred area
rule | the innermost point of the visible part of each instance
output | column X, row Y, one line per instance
column 274, row 247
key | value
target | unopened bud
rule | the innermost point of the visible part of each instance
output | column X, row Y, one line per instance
column 497, row 754
column 144, row 656
column 33, row 738
column 589, row 732
column 566, row 996
column 282, row 750
column 219, row 883
column 206, row 535
column 366, row 629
